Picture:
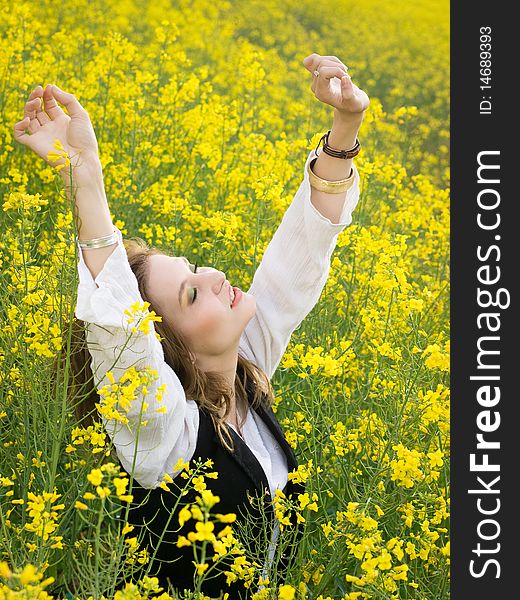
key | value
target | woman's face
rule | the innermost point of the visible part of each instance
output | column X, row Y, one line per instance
column 198, row 305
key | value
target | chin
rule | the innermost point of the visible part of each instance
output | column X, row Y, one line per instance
column 251, row 304
column 251, row 301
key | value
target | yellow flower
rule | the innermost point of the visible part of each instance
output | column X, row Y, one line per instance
column 55, row 156
column 95, row 477
column 208, row 499
column 436, row 458
column 132, row 543
column 139, row 314
column 44, row 513
column 304, row 500
column 228, row 518
column 184, row 515
column 327, row 528
column 120, row 485
column 205, row 531
column 286, row 592
column 182, row 541
column 58, row 544
column 29, row 575
column 198, row 483
column 180, row 466
column 303, row 472
column 196, row 513
column 26, row 203
column 127, row 529
column 103, row 491
column 201, row 568
column 5, row 571
column 150, row 584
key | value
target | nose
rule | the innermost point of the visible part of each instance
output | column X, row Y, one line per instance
column 221, row 282
column 217, row 279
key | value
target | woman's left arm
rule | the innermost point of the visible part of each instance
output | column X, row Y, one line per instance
column 295, row 266
column 343, row 135
column 332, row 85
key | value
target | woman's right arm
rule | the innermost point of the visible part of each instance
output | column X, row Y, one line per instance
column 171, row 428
column 93, row 214
column 42, row 125
column 108, row 287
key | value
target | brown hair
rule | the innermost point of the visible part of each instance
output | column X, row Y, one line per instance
column 207, row 388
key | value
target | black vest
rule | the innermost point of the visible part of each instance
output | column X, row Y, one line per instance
column 240, row 474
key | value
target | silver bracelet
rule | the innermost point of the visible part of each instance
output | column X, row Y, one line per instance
column 100, row 242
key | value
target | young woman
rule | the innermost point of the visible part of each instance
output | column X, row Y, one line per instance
column 218, row 346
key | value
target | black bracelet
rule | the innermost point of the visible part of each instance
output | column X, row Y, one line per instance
column 337, row 153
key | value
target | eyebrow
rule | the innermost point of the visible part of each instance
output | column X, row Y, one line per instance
column 183, row 284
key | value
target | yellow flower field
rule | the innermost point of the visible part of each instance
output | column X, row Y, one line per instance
column 204, row 117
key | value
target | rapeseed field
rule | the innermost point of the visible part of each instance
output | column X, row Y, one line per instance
column 204, row 116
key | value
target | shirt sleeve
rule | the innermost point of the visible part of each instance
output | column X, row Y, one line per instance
column 171, row 424
column 292, row 274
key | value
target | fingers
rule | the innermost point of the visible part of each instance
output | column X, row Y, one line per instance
column 30, row 109
column 37, row 114
column 314, row 61
column 37, row 92
column 73, row 106
column 51, row 106
column 336, row 60
column 34, row 113
column 326, row 73
column 41, row 115
column 347, row 88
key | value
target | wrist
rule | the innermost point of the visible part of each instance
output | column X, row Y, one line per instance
column 345, row 118
column 344, row 130
column 88, row 168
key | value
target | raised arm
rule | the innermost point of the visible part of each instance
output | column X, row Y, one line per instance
column 296, row 263
column 171, row 421
column 292, row 274
column 160, row 425
column 46, row 122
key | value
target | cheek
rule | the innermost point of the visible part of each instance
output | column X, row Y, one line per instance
column 214, row 316
column 208, row 320
column 210, row 328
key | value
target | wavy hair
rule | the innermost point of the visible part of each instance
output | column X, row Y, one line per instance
column 208, row 388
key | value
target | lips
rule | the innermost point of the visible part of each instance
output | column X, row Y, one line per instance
column 238, row 297
column 234, row 295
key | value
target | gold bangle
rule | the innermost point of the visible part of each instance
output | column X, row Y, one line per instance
column 331, row 187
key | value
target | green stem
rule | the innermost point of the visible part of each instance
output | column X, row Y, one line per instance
column 57, row 441
column 96, row 542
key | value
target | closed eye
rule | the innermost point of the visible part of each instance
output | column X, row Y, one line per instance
column 194, row 289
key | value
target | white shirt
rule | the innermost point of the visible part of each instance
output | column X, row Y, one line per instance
column 267, row 450
column 286, row 285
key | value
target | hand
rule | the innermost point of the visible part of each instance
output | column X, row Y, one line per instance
column 49, row 122
column 334, row 86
